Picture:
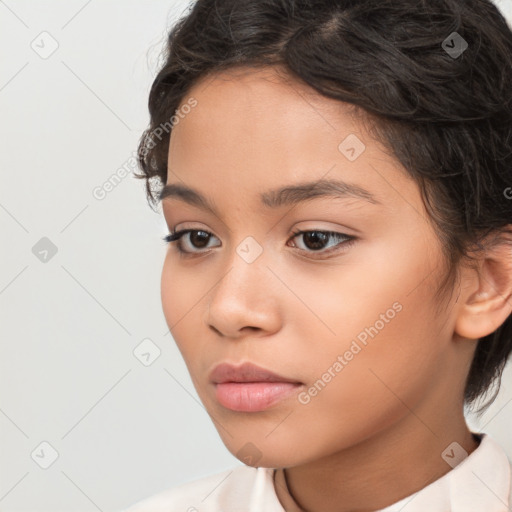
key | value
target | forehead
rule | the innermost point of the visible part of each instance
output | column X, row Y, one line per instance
column 272, row 85
column 266, row 100
column 258, row 129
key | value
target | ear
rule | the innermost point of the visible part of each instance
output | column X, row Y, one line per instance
column 485, row 301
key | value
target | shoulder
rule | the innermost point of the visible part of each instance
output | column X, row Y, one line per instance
column 499, row 461
column 230, row 491
column 489, row 465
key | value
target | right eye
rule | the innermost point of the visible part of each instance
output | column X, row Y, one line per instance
column 199, row 239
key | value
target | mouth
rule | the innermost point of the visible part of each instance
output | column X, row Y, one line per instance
column 246, row 372
column 249, row 387
column 253, row 396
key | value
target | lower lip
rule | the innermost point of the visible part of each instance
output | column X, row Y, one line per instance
column 253, row 396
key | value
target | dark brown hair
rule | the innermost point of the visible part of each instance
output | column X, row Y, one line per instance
column 443, row 110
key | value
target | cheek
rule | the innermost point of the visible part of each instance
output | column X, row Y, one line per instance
column 389, row 360
column 343, row 296
column 169, row 292
column 380, row 320
column 180, row 295
column 181, row 290
column 384, row 380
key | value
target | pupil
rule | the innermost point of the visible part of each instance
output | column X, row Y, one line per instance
column 315, row 236
column 199, row 235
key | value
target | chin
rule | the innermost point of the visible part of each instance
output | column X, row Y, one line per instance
column 266, row 455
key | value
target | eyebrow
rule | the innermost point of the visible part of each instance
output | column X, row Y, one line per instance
column 283, row 196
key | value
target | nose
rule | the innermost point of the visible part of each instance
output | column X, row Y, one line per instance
column 245, row 300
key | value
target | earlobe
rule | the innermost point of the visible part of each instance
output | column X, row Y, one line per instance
column 487, row 302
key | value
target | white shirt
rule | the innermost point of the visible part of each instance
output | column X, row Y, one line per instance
column 480, row 483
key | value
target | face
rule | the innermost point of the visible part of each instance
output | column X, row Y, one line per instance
column 347, row 309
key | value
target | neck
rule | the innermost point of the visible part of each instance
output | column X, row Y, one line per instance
column 376, row 472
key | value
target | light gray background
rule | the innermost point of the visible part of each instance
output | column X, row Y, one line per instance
column 69, row 326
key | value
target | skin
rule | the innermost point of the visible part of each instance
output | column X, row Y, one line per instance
column 375, row 433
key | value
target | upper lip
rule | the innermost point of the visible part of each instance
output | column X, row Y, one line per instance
column 246, row 372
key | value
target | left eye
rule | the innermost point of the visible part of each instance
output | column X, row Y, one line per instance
column 315, row 240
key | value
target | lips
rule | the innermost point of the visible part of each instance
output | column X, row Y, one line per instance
column 246, row 372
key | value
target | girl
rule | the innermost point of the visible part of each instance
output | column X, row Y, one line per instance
column 336, row 177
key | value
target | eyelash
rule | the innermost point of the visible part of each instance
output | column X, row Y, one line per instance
column 175, row 236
